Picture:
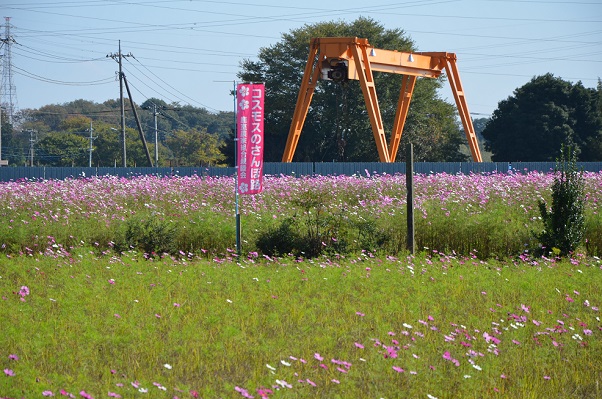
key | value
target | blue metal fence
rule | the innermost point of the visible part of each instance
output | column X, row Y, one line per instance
column 290, row 169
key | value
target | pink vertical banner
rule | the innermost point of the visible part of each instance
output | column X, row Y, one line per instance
column 249, row 127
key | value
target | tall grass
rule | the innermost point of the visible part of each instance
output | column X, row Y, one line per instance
column 490, row 215
column 364, row 326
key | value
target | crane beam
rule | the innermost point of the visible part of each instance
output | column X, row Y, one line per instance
column 352, row 58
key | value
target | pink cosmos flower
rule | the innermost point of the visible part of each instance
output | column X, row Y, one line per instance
column 24, row 291
column 9, row 372
column 13, row 357
column 358, row 345
column 47, row 393
column 398, row 369
column 318, row 357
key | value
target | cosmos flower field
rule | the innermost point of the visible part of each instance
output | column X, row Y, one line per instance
column 88, row 314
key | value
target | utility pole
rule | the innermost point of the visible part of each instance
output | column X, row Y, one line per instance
column 156, row 136
column 118, row 57
column 32, row 141
column 91, row 149
column 142, row 138
column 155, row 114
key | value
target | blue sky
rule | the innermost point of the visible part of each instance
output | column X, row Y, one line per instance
column 189, row 51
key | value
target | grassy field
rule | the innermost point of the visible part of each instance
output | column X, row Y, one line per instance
column 132, row 288
column 83, row 325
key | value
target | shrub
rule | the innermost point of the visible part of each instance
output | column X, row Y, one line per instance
column 564, row 223
column 148, row 233
column 280, row 240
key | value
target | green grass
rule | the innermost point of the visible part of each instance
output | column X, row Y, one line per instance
column 77, row 331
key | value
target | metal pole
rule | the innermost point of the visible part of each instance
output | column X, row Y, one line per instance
column 31, row 150
column 124, row 157
column 410, row 197
column 142, row 138
column 237, row 210
column 90, row 158
column 156, row 136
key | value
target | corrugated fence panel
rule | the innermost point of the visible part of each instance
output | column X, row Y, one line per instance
column 289, row 169
column 592, row 166
column 294, row 169
column 525, row 167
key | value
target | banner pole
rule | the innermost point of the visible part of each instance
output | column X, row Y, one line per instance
column 237, row 209
column 411, row 244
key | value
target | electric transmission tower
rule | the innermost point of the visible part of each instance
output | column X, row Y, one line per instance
column 8, row 91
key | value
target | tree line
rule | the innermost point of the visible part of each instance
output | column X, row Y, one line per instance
column 530, row 125
column 61, row 134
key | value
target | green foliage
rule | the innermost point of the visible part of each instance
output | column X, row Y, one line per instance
column 150, row 234
column 564, row 224
column 175, row 124
column 62, row 149
column 542, row 115
column 281, row 240
column 315, row 231
column 337, row 126
column 193, row 147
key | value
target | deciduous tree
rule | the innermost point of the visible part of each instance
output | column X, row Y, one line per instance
column 543, row 115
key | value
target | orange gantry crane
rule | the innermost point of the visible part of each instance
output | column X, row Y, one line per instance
column 345, row 58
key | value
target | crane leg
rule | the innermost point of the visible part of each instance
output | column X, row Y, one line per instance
column 369, row 89
column 403, row 105
column 456, row 86
column 306, row 92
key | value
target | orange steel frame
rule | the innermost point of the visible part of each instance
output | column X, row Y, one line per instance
column 361, row 60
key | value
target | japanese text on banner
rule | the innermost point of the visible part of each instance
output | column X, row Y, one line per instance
column 249, row 120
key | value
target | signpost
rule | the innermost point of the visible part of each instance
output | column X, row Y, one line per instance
column 249, row 108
